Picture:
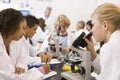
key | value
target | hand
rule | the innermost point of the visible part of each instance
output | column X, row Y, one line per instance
column 40, row 54
column 49, row 56
column 19, row 70
column 90, row 47
column 44, row 57
column 65, row 50
column 46, row 68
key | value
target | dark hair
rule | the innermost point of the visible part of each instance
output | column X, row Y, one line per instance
column 90, row 24
column 31, row 20
column 10, row 20
column 41, row 19
column 42, row 23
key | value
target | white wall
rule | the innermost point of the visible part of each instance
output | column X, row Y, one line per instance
column 104, row 1
column 75, row 9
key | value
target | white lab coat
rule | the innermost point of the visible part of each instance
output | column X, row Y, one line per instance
column 16, row 58
column 39, row 36
column 49, row 21
column 109, row 59
column 30, row 52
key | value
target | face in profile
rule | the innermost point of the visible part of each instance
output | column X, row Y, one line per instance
column 31, row 31
column 78, row 26
column 21, row 31
column 47, row 13
column 98, row 30
column 88, row 27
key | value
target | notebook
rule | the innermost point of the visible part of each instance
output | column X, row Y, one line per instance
column 50, row 74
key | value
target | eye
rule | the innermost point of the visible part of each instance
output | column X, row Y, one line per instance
column 24, row 27
column 35, row 29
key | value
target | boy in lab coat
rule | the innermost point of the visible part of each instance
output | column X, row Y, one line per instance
column 31, row 52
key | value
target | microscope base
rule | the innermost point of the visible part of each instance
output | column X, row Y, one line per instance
column 73, row 76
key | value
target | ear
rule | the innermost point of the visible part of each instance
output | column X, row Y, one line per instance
column 106, row 25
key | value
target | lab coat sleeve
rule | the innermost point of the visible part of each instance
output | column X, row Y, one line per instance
column 23, row 61
column 33, row 50
column 32, row 74
column 96, row 64
column 33, row 60
column 44, row 45
column 4, row 75
column 17, row 55
column 7, row 70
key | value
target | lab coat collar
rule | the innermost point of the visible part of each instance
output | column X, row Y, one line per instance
column 115, row 34
column 64, row 35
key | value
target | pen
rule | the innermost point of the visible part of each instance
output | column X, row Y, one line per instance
column 46, row 60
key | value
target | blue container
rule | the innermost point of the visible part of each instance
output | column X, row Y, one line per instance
column 38, row 65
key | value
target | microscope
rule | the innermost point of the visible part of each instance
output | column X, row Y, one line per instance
column 54, row 47
column 80, row 58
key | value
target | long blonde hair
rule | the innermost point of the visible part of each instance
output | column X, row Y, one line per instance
column 109, row 12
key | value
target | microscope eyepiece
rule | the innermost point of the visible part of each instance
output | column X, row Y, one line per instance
column 59, row 28
column 80, row 41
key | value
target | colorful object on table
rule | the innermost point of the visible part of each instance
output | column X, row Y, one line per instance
column 68, row 68
column 38, row 65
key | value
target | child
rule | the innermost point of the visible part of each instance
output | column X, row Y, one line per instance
column 63, row 22
column 31, row 52
column 13, row 62
column 79, row 28
column 106, row 27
